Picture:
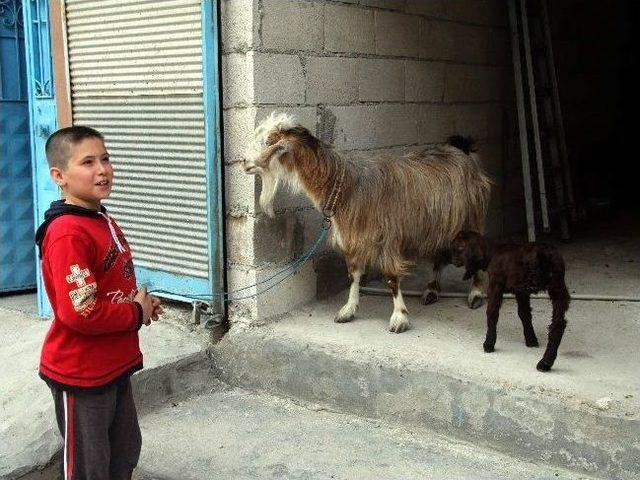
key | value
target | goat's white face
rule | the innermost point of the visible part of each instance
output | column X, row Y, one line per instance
column 262, row 157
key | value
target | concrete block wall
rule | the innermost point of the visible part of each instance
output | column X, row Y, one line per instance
column 369, row 76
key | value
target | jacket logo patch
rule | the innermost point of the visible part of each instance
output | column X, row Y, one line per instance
column 111, row 257
column 84, row 298
column 78, row 275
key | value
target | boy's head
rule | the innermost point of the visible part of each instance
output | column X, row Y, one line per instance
column 79, row 164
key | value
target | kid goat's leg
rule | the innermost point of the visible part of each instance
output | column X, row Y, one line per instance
column 348, row 311
column 432, row 292
column 560, row 299
column 494, row 299
column 524, row 312
column 475, row 295
column 399, row 321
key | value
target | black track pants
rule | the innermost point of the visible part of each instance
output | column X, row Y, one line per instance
column 101, row 433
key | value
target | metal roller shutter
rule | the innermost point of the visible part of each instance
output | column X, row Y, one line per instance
column 136, row 75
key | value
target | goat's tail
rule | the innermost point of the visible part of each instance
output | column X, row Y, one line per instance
column 466, row 144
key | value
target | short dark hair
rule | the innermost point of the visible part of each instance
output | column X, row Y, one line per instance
column 58, row 146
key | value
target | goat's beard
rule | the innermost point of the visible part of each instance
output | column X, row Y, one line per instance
column 270, row 184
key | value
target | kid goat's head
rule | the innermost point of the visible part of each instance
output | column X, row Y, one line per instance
column 272, row 154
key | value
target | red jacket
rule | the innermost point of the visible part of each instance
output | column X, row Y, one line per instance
column 89, row 278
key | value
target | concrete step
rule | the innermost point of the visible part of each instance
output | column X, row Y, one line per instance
column 234, row 434
column 584, row 415
column 176, row 366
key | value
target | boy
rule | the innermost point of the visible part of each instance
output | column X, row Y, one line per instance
column 92, row 346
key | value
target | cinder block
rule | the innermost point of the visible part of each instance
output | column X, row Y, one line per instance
column 397, row 34
column 380, row 80
column 354, row 127
column 432, row 8
column 348, row 29
column 481, row 121
column 499, row 47
column 424, row 81
column 484, row 12
column 436, row 123
column 237, row 79
column 291, row 293
column 366, row 127
column 388, row 4
column 396, row 124
column 292, row 25
column 472, row 43
column 279, row 239
column 474, row 83
column 238, row 131
column 437, row 39
column 240, row 233
column 331, row 80
column 240, row 191
column 237, row 25
column 278, row 79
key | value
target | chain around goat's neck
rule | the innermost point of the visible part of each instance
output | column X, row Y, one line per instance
column 329, row 207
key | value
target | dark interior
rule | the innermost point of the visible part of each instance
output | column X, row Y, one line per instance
column 596, row 60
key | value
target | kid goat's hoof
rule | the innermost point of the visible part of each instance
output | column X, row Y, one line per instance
column 430, row 297
column 543, row 366
column 532, row 343
column 475, row 301
column 488, row 348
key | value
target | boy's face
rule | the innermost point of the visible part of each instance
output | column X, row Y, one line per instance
column 88, row 177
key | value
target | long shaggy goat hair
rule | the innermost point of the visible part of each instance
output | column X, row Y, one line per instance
column 390, row 212
column 521, row 270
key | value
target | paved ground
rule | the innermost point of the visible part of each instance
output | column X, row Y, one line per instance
column 234, row 434
column 175, row 363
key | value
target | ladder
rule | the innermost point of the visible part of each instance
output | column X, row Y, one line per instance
column 540, row 134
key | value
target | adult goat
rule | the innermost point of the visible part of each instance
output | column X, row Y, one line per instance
column 388, row 212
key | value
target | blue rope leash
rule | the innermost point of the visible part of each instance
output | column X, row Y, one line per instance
column 286, row 272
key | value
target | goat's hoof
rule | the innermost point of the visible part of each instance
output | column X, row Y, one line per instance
column 398, row 324
column 430, row 297
column 475, row 301
column 532, row 343
column 543, row 366
column 488, row 348
column 343, row 319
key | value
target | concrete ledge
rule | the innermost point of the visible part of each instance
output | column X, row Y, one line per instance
column 436, row 376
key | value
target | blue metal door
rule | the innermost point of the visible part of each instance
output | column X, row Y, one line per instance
column 17, row 260
column 42, row 114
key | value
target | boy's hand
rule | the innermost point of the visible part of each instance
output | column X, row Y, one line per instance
column 157, row 309
column 146, row 302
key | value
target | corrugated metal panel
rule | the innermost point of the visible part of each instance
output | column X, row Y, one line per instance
column 136, row 75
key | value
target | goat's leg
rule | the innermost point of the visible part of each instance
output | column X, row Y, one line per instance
column 493, row 310
column 524, row 312
column 475, row 299
column 559, row 296
column 348, row 311
column 399, row 321
column 432, row 292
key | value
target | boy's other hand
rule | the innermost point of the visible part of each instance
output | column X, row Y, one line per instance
column 146, row 302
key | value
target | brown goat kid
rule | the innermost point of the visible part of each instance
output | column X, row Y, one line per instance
column 521, row 270
column 389, row 212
